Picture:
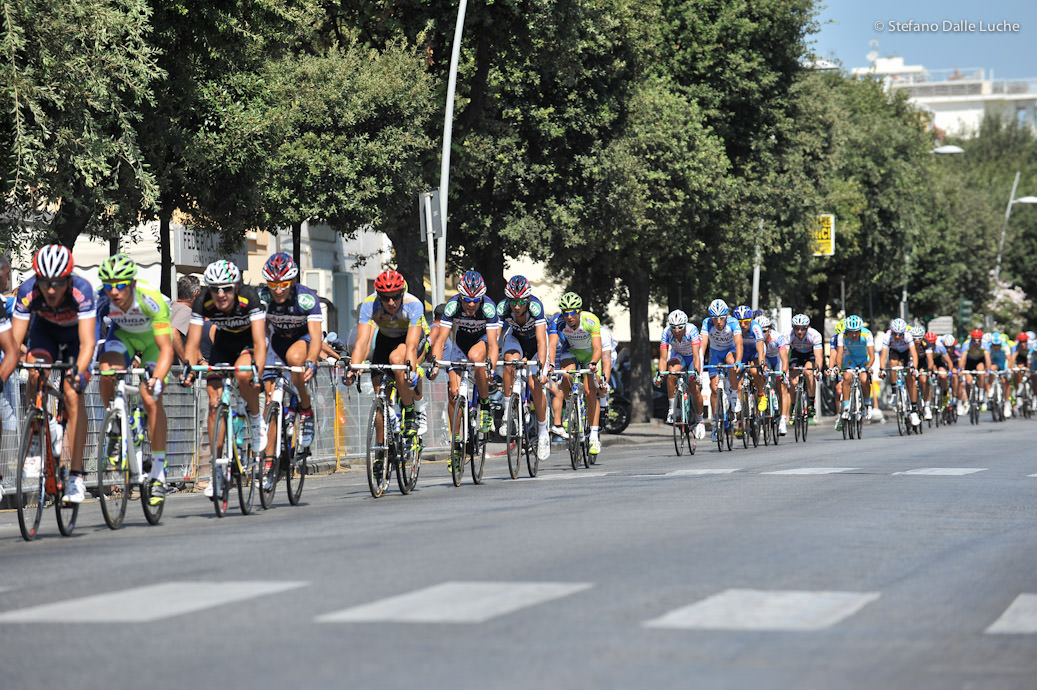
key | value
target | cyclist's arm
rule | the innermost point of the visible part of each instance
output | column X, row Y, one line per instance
column 818, row 353
column 87, row 341
column 541, row 333
column 492, row 347
column 165, row 355
column 411, row 343
column 439, row 335
column 259, row 345
column 838, row 358
column 761, row 352
column 929, row 359
column 11, row 354
column 871, row 356
column 552, row 347
column 595, row 349
column 315, row 330
column 663, row 359
column 914, row 356
column 363, row 342
column 192, row 349
column 738, row 344
column 179, row 346
column 19, row 328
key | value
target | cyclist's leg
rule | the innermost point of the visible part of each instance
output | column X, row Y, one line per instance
column 112, row 354
column 295, row 356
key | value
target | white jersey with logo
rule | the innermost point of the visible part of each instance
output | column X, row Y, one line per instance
column 810, row 341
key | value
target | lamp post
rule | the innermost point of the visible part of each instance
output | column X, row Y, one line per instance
column 1004, row 229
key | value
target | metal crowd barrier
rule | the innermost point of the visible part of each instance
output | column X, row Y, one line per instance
column 339, row 436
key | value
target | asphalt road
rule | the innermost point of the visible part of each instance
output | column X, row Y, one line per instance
column 881, row 563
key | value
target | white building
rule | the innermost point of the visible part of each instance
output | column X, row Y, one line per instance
column 958, row 99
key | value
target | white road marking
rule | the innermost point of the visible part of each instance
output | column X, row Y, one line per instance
column 943, row 471
column 815, row 470
column 780, row 610
column 456, row 602
column 146, row 604
column 563, row 475
column 1018, row 619
column 703, row 471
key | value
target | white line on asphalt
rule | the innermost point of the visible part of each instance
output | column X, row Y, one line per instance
column 563, row 475
column 703, row 471
column 146, row 604
column 753, row 609
column 943, row 471
column 1031, row 475
column 455, row 602
column 815, row 470
column 1019, row 618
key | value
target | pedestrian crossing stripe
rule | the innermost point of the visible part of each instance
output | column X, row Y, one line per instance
column 455, row 602
column 146, row 604
column 1020, row 618
column 771, row 610
column 703, row 471
column 564, row 475
column 815, row 470
column 942, row 471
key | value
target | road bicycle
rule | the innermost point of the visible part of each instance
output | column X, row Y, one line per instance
column 576, row 418
column 1024, row 394
column 520, row 426
column 287, row 459
column 124, row 453
column 396, row 450
column 901, row 401
column 800, row 406
column 43, row 472
column 724, row 417
column 974, row 395
column 749, row 418
column 945, row 405
column 772, row 415
column 684, row 419
column 853, row 417
column 468, row 441
column 234, row 461
column 996, row 401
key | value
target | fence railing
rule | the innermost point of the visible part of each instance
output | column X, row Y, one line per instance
column 341, row 415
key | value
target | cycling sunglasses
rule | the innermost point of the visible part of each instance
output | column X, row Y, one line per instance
column 120, row 286
column 471, row 300
column 518, row 302
column 393, row 297
column 45, row 283
column 572, row 312
column 220, row 289
column 278, row 284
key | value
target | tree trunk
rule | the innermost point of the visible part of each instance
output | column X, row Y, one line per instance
column 640, row 347
column 411, row 259
column 166, row 254
column 297, row 243
column 70, row 223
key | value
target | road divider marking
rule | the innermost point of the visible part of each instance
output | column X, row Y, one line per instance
column 815, row 470
column 774, row 610
column 942, row 471
column 703, row 471
column 146, row 604
column 1020, row 618
column 456, row 602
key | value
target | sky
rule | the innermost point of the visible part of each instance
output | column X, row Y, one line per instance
column 947, row 35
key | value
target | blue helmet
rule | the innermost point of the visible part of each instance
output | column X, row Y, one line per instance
column 718, row 307
column 518, row 288
column 472, row 286
column 854, row 323
column 743, row 313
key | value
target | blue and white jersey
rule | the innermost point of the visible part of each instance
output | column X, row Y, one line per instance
column 903, row 344
column 750, row 337
column 721, row 339
column 290, row 319
column 856, row 349
column 776, row 342
column 525, row 333
column 681, row 347
column 810, row 341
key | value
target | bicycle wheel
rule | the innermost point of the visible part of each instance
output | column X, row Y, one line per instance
column 678, row 426
column 66, row 513
column 574, row 442
column 31, row 483
column 804, row 419
column 582, row 425
column 409, row 465
column 532, row 431
column 270, row 467
column 295, row 476
column 459, row 432
column 113, row 471
column 223, row 456
column 247, row 465
column 797, row 412
column 478, row 452
column 720, row 418
column 515, row 433
column 378, row 467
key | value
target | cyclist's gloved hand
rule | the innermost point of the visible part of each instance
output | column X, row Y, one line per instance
column 658, row 379
column 80, row 381
column 433, row 372
column 186, row 377
column 156, row 386
column 311, row 370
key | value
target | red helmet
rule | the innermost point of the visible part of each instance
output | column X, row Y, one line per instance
column 976, row 334
column 53, row 261
column 280, row 266
column 388, row 282
column 930, row 338
column 1021, row 338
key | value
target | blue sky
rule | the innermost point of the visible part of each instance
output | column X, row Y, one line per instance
column 848, row 26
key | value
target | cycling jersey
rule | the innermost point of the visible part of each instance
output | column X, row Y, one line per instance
column 681, row 346
column 975, row 350
column 77, row 304
column 776, row 342
column 898, row 345
column 997, row 356
column 578, row 341
column 922, row 346
column 246, row 309
column 749, row 339
column 525, row 334
column 469, row 330
column 855, row 351
column 810, row 342
column 1021, row 352
column 395, row 325
column 134, row 329
column 290, row 319
column 721, row 338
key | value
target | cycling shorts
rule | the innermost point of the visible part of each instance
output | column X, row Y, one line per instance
column 49, row 338
column 526, row 348
column 687, row 362
column 567, row 355
column 277, row 353
column 971, row 363
column 128, row 344
column 774, row 363
column 227, row 347
column 850, row 362
column 717, row 357
column 800, row 359
column 999, row 361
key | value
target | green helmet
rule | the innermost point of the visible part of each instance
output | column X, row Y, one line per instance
column 570, row 301
column 118, row 267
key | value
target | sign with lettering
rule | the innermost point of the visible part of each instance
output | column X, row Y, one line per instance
column 822, row 235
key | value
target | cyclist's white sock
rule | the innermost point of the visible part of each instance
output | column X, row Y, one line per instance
column 158, row 465
column 594, row 433
column 542, row 428
column 672, row 407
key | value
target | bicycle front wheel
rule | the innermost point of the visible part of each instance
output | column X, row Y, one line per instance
column 223, row 454
column 532, row 431
column 247, row 479
column 113, row 471
column 66, row 512
column 478, row 454
column 378, row 467
column 678, row 428
column 31, row 482
column 458, row 434
column 409, row 465
column 515, row 431
column 270, row 466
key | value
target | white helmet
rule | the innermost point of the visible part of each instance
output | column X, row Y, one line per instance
column 221, row 272
column 898, row 325
column 718, row 307
column 764, row 321
column 800, row 320
column 677, row 319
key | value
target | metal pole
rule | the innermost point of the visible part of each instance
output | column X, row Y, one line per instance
column 427, row 207
column 756, row 271
column 448, row 123
column 1001, row 244
column 842, row 294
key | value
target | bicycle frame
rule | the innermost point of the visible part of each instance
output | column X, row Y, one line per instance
column 516, row 421
column 464, row 426
column 397, row 451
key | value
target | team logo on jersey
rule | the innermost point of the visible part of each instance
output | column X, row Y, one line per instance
column 535, row 309
column 306, row 301
column 451, row 308
column 489, row 310
column 150, row 303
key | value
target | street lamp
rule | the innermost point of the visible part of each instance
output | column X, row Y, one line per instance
column 1004, row 229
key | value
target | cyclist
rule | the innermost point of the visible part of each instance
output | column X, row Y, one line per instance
column 754, row 350
column 805, row 351
column 855, row 348
column 1020, row 360
column 777, row 354
column 399, row 318
column 471, row 317
column 240, row 340
column 526, row 337
column 680, row 350
column 945, row 359
column 140, row 323
column 899, row 350
column 574, row 336
column 725, row 347
column 997, row 352
column 975, row 356
column 56, row 310
column 925, row 366
column 294, row 321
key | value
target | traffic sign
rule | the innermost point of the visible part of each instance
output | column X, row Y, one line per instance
column 822, row 235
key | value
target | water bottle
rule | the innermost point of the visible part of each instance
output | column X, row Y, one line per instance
column 56, row 435
column 136, row 428
column 394, row 419
column 239, row 431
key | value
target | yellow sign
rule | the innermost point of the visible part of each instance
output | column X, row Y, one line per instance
column 822, row 235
